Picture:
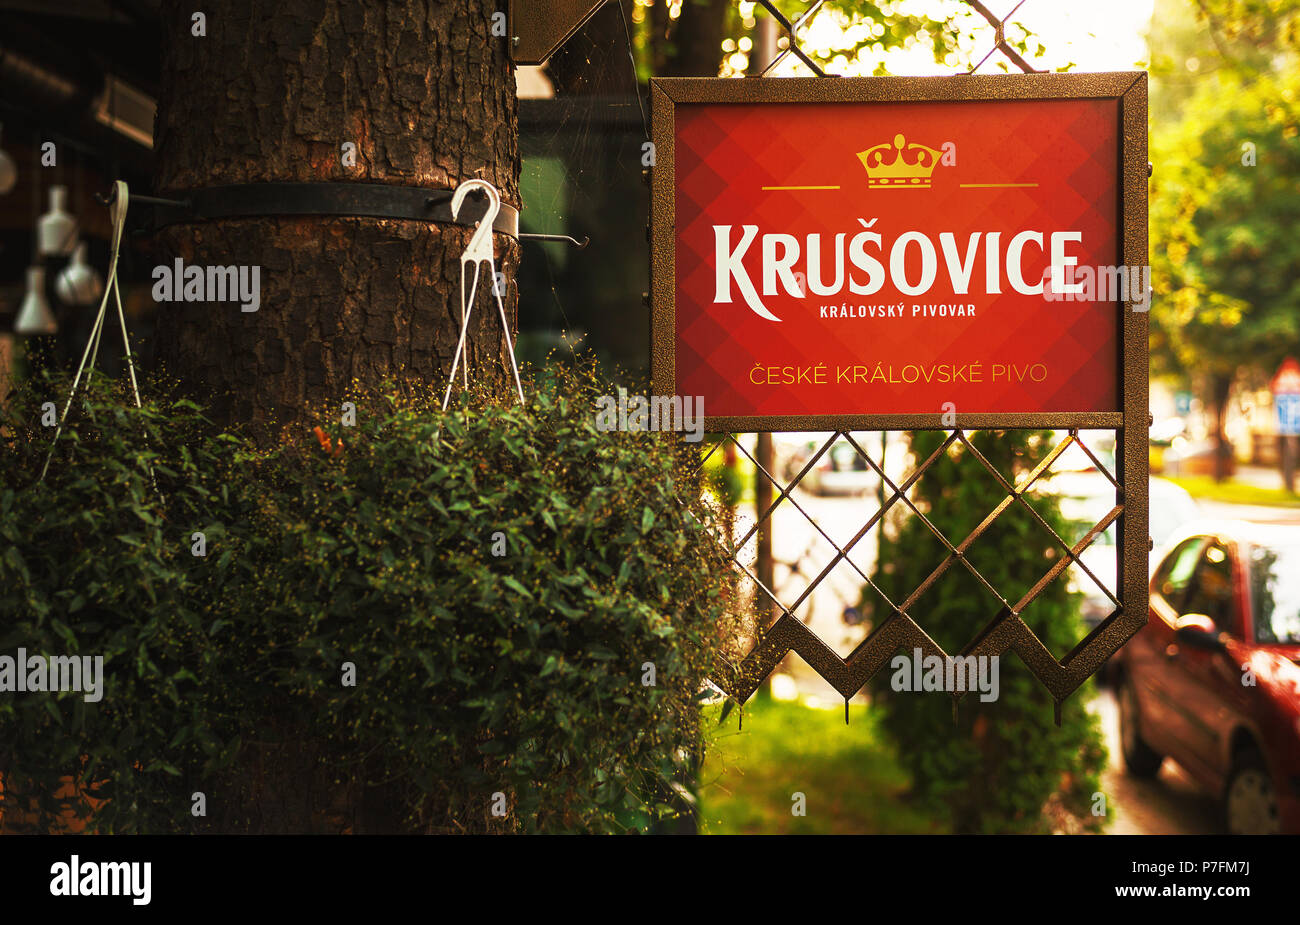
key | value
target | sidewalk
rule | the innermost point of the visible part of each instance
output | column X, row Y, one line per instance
column 1253, row 493
column 1259, row 477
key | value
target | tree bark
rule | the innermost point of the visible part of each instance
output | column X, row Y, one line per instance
column 426, row 92
column 1222, row 390
column 698, row 39
column 691, row 44
column 1287, row 455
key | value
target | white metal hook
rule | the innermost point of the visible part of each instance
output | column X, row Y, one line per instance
column 117, row 212
column 478, row 252
column 480, row 245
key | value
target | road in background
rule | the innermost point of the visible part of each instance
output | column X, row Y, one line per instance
column 1168, row 804
column 1219, row 510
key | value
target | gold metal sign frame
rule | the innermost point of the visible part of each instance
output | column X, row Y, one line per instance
column 1005, row 631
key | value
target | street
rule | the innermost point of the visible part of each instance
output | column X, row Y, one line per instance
column 1171, row 804
column 1167, row 805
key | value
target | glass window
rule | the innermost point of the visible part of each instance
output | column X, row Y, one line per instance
column 1175, row 573
column 1275, row 593
column 1212, row 592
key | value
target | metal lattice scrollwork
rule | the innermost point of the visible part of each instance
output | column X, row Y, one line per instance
column 1004, row 632
column 792, row 35
column 792, row 29
column 1000, row 37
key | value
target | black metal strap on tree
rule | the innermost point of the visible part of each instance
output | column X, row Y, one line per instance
column 351, row 200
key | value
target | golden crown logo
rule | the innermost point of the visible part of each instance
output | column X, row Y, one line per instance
column 900, row 165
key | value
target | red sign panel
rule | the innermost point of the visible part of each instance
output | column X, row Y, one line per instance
column 873, row 258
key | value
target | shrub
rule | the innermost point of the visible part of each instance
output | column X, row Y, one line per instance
column 494, row 579
column 997, row 768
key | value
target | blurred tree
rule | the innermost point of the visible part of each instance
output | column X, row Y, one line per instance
column 1004, row 766
column 1262, row 24
column 1224, row 196
column 708, row 38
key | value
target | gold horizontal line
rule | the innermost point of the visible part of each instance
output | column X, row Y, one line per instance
column 798, row 187
column 996, row 185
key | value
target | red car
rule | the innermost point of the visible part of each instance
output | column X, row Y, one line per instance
column 1212, row 680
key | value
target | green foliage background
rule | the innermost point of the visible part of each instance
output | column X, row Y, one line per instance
column 476, row 674
column 865, row 31
column 1000, row 764
column 1225, row 145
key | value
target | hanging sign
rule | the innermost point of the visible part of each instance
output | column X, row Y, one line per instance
column 1286, row 397
column 901, row 252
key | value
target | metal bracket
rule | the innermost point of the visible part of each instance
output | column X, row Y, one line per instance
column 362, row 200
column 539, row 27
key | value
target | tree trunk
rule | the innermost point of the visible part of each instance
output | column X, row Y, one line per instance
column 691, row 44
column 697, row 39
column 271, row 93
column 1222, row 389
column 1286, row 446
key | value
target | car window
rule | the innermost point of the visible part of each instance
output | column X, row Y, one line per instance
column 1175, row 572
column 1275, row 593
column 1212, row 592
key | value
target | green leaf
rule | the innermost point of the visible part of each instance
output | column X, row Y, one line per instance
column 515, row 585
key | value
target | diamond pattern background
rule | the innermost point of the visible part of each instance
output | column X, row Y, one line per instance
column 727, row 153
